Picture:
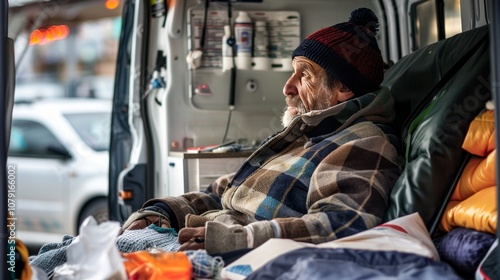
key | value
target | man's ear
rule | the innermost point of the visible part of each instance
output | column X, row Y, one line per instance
column 344, row 93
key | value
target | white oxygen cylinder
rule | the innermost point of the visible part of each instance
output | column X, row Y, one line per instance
column 227, row 50
column 243, row 31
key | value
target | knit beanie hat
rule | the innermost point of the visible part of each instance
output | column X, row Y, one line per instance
column 348, row 51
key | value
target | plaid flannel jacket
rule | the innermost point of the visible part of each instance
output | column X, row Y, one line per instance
column 326, row 176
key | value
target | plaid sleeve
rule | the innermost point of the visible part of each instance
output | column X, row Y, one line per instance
column 194, row 203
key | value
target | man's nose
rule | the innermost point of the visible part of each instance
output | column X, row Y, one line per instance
column 290, row 88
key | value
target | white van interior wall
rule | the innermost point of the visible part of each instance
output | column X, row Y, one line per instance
column 202, row 113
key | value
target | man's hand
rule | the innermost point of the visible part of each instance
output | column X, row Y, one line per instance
column 144, row 222
column 192, row 238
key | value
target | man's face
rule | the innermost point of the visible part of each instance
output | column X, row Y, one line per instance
column 307, row 90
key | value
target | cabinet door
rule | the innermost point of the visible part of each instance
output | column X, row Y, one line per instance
column 207, row 170
column 195, row 174
column 177, row 176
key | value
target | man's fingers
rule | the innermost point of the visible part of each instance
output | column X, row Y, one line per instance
column 191, row 246
column 165, row 224
column 186, row 234
column 139, row 224
column 192, row 238
column 148, row 220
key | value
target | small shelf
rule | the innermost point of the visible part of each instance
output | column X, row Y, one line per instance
column 186, row 155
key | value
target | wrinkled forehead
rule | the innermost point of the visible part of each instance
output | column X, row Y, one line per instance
column 304, row 63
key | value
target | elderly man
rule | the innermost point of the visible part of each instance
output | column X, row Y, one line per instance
column 326, row 175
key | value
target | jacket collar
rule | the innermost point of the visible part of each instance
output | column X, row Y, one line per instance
column 376, row 106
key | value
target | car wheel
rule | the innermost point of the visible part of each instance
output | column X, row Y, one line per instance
column 98, row 208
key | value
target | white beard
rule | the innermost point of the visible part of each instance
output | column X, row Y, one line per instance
column 287, row 118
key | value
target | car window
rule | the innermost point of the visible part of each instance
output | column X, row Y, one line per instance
column 32, row 139
column 93, row 128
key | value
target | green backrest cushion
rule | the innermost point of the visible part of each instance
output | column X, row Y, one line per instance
column 413, row 76
column 433, row 151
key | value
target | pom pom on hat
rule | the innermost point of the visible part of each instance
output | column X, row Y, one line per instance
column 348, row 51
column 365, row 17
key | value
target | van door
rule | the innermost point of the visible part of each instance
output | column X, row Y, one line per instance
column 7, row 71
column 128, row 177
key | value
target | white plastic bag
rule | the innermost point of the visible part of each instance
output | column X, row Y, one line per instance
column 93, row 254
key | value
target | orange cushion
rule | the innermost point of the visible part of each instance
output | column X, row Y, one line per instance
column 480, row 139
column 445, row 225
column 478, row 212
column 478, row 174
column 473, row 202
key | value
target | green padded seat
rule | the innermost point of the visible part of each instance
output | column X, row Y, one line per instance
column 438, row 91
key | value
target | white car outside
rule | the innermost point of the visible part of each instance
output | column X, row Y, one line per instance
column 60, row 151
